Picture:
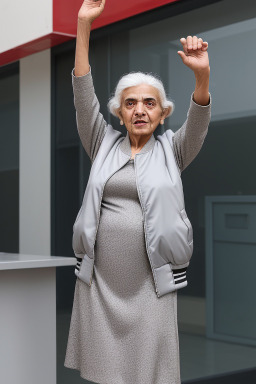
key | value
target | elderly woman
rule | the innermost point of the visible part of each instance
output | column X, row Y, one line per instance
column 132, row 238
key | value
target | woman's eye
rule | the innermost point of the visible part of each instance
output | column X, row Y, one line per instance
column 150, row 103
column 130, row 103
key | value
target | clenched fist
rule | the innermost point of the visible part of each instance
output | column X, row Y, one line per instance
column 194, row 54
column 91, row 9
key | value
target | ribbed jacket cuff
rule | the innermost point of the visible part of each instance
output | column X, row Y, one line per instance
column 84, row 268
column 78, row 263
column 179, row 276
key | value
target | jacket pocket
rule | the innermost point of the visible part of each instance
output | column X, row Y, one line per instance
column 188, row 225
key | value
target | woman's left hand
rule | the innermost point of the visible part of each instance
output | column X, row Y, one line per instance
column 195, row 55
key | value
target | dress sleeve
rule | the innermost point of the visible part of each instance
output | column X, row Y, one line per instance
column 91, row 125
column 188, row 140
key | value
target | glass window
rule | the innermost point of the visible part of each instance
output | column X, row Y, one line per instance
column 9, row 158
column 223, row 166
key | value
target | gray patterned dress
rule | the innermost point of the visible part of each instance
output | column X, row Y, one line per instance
column 120, row 331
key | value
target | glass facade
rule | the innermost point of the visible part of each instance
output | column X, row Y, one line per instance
column 222, row 168
column 9, row 158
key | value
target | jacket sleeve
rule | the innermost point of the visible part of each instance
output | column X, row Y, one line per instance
column 91, row 125
column 188, row 140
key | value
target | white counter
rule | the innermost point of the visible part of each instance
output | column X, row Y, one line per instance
column 19, row 261
column 28, row 317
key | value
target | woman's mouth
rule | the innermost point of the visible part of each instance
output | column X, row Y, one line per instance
column 140, row 123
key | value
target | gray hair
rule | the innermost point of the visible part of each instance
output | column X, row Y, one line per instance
column 137, row 78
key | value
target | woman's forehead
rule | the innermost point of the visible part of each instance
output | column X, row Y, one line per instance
column 144, row 91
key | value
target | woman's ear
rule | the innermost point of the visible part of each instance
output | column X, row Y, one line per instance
column 119, row 114
column 166, row 112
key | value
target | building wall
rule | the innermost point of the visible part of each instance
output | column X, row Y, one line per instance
column 24, row 21
column 35, row 154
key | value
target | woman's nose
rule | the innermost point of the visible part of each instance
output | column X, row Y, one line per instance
column 139, row 109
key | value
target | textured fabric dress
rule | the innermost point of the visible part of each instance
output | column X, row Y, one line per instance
column 120, row 331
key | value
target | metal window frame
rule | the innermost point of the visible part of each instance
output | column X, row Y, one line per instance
column 209, row 267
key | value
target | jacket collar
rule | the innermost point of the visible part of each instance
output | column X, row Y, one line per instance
column 125, row 145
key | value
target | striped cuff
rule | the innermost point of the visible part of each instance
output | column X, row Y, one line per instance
column 179, row 275
column 78, row 263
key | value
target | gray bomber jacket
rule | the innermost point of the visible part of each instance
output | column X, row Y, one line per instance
column 158, row 167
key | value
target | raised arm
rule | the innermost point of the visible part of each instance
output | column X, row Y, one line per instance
column 91, row 125
column 89, row 11
column 189, row 139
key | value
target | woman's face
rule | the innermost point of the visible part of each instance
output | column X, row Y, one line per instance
column 141, row 109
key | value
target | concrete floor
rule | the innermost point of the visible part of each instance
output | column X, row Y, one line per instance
column 199, row 357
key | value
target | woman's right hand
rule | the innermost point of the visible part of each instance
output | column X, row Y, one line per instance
column 91, row 9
